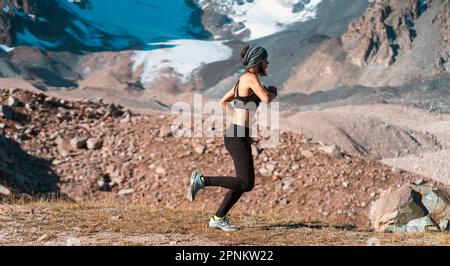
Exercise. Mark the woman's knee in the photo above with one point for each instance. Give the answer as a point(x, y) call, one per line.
point(248, 186)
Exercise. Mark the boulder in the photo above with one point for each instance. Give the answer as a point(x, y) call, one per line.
point(6, 112)
point(396, 207)
point(332, 150)
point(165, 131)
point(436, 204)
point(78, 142)
point(13, 102)
point(419, 225)
point(94, 143)
point(4, 191)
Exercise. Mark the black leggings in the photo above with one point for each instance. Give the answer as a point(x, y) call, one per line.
point(239, 146)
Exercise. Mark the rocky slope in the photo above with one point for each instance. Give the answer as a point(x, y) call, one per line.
point(49, 25)
point(92, 149)
point(386, 28)
point(393, 43)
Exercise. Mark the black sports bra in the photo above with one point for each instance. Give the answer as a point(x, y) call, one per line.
point(250, 102)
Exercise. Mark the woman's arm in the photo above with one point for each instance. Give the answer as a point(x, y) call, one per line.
point(259, 90)
point(228, 97)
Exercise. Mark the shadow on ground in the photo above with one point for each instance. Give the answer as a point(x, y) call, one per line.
point(26, 175)
point(281, 226)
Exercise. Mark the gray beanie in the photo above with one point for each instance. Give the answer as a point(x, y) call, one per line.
point(254, 56)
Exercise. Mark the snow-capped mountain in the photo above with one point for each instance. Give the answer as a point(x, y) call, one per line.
point(160, 31)
point(96, 25)
point(253, 19)
point(118, 25)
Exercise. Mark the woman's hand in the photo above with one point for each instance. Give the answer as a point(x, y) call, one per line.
point(272, 91)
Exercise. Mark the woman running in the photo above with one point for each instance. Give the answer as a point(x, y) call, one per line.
point(247, 93)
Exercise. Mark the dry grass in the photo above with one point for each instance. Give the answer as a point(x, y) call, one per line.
point(115, 222)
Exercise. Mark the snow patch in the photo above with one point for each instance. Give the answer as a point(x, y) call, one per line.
point(184, 58)
point(6, 48)
point(266, 17)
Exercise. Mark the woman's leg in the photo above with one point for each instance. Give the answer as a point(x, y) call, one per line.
point(241, 152)
point(228, 202)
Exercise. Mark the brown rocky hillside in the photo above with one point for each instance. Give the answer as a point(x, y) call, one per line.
point(91, 149)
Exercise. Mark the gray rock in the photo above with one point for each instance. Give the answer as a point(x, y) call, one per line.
point(20, 127)
point(6, 112)
point(4, 191)
point(264, 172)
point(287, 184)
point(29, 107)
point(94, 143)
point(438, 207)
point(78, 142)
point(125, 192)
point(332, 150)
point(396, 207)
point(13, 102)
point(419, 225)
point(42, 238)
point(114, 110)
point(58, 140)
point(399, 171)
point(307, 154)
point(199, 148)
point(271, 165)
point(72, 241)
point(165, 132)
point(160, 170)
point(295, 166)
point(126, 119)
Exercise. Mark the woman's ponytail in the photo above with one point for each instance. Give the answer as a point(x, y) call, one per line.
point(244, 52)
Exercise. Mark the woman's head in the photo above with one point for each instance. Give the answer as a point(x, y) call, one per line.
point(254, 59)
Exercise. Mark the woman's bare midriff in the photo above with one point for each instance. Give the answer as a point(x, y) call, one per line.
point(241, 117)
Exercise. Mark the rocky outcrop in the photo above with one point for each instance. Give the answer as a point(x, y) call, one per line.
point(393, 43)
point(443, 19)
point(7, 31)
point(386, 28)
point(215, 20)
point(6, 37)
point(396, 207)
point(411, 208)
